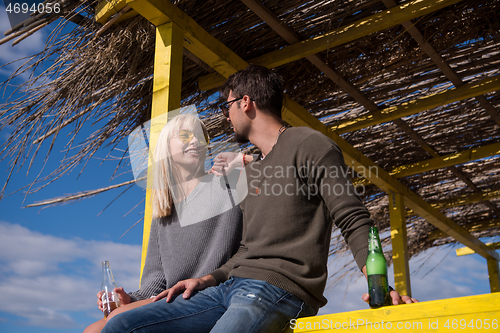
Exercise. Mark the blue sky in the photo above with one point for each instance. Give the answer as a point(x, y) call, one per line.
point(50, 258)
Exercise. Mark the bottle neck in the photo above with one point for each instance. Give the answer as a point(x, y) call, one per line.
point(107, 276)
point(374, 244)
point(375, 261)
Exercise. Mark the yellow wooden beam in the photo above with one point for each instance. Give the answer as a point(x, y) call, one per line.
point(466, 199)
point(440, 162)
point(446, 161)
point(462, 200)
point(196, 39)
point(107, 8)
point(493, 275)
point(399, 242)
point(462, 314)
point(128, 15)
point(463, 251)
point(485, 225)
point(167, 82)
point(377, 22)
point(416, 106)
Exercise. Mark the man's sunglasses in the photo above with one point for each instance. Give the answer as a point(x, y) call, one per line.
point(226, 105)
point(186, 136)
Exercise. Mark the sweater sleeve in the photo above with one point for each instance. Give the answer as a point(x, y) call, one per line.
point(153, 279)
point(222, 273)
point(342, 200)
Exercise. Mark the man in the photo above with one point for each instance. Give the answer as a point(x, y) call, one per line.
point(297, 188)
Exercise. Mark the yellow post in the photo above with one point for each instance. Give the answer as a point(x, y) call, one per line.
point(399, 244)
point(493, 275)
point(167, 82)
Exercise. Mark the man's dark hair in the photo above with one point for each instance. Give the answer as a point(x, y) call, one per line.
point(261, 84)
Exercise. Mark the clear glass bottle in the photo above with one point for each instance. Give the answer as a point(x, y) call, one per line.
point(376, 269)
point(109, 297)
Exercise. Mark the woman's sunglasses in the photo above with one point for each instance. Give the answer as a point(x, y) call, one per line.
point(186, 136)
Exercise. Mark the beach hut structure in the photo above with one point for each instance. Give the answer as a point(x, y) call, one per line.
point(409, 90)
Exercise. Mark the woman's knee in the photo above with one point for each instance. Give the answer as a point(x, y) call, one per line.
point(129, 306)
point(95, 327)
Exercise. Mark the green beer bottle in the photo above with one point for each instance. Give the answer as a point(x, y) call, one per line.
point(376, 269)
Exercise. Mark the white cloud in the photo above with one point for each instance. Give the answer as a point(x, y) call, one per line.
point(34, 42)
point(29, 46)
point(444, 275)
point(47, 279)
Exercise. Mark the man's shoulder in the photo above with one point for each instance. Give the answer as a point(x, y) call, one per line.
point(301, 136)
point(305, 143)
point(304, 131)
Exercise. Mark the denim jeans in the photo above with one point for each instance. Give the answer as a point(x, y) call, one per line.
point(237, 306)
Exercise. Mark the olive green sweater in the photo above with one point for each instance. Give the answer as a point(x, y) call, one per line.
point(294, 196)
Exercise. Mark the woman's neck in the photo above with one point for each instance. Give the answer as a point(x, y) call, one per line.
point(187, 182)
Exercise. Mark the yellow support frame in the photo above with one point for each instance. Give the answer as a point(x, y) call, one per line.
point(465, 199)
point(461, 200)
point(469, 90)
point(107, 8)
point(196, 39)
point(440, 162)
point(167, 82)
point(377, 22)
point(493, 275)
point(446, 161)
point(463, 251)
point(399, 242)
point(469, 227)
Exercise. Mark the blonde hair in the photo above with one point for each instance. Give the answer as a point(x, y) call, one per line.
point(164, 166)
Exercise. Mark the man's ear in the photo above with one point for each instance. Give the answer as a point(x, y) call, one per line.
point(246, 103)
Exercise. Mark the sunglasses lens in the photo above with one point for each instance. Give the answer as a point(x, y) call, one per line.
point(202, 138)
point(225, 110)
point(185, 136)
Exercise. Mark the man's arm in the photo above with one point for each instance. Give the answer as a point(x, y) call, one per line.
point(186, 287)
point(342, 201)
point(222, 273)
point(153, 279)
point(348, 211)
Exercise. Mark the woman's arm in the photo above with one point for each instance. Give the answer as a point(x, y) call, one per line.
point(153, 279)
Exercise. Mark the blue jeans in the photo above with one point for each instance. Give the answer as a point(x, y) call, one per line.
point(237, 306)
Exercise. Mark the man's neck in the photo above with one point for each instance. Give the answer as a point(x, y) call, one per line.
point(265, 133)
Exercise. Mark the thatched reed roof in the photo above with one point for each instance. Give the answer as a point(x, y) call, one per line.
point(106, 74)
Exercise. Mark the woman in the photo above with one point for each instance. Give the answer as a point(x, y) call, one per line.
point(197, 221)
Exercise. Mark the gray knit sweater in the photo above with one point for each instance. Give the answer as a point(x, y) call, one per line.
point(207, 235)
